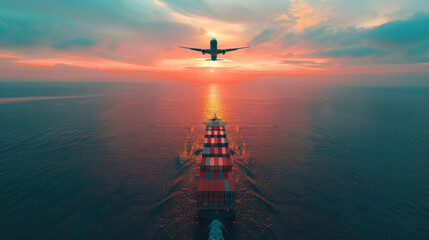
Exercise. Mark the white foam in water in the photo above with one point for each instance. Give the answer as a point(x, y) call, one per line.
point(215, 230)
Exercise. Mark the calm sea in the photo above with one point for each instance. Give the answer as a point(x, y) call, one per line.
point(118, 160)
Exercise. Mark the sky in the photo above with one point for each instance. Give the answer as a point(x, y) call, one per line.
point(138, 39)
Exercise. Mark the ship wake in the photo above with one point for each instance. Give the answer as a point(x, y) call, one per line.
point(216, 228)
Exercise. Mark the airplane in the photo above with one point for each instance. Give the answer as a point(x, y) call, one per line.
point(213, 51)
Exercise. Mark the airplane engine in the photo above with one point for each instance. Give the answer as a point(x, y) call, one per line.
point(223, 51)
point(203, 52)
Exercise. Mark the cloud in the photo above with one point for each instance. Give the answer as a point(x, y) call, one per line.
point(77, 42)
point(25, 30)
point(401, 33)
point(264, 36)
point(307, 63)
point(399, 41)
point(351, 52)
point(65, 24)
point(306, 14)
point(295, 35)
point(240, 11)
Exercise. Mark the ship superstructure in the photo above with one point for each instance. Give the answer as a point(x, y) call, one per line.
point(216, 188)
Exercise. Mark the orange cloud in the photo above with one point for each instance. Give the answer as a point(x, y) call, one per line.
point(302, 14)
point(94, 63)
point(6, 55)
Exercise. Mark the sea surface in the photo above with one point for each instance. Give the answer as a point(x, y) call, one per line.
point(120, 160)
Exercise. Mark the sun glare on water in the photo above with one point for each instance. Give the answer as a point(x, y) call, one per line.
point(213, 104)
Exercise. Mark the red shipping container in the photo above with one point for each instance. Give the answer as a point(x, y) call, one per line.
point(211, 191)
point(215, 198)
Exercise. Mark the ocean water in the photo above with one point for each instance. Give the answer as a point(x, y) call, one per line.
point(118, 160)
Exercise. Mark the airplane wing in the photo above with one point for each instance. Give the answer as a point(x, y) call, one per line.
point(196, 49)
point(231, 49)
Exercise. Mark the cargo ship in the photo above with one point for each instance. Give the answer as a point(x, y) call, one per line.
point(216, 188)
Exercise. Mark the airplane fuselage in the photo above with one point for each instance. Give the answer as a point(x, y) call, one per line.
point(213, 49)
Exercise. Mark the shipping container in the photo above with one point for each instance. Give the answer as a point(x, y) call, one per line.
point(216, 188)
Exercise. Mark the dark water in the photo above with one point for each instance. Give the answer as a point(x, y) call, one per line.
point(117, 161)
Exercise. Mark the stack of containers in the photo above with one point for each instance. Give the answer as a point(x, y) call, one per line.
point(216, 188)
